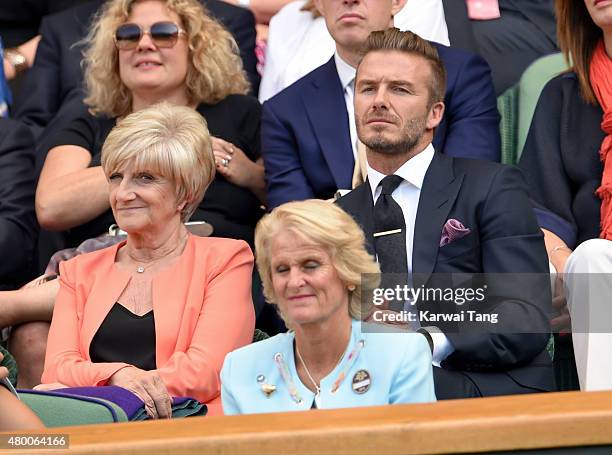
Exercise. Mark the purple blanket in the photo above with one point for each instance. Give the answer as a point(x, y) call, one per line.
point(126, 400)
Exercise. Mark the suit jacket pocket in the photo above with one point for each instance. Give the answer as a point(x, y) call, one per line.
point(459, 247)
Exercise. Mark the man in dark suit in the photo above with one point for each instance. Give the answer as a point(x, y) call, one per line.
point(456, 219)
point(308, 136)
point(57, 68)
point(520, 32)
point(18, 227)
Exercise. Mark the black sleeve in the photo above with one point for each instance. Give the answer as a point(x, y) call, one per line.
point(81, 131)
point(18, 226)
point(550, 187)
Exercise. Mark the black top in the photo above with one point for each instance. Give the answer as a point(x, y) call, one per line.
point(125, 337)
point(233, 211)
point(561, 161)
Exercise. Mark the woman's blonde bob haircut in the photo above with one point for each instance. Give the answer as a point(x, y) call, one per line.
point(172, 141)
point(325, 225)
point(215, 67)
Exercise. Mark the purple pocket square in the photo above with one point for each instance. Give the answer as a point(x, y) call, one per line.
point(453, 230)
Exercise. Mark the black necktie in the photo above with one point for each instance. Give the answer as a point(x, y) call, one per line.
point(390, 237)
point(390, 229)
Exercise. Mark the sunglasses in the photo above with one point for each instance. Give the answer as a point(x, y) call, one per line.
point(163, 34)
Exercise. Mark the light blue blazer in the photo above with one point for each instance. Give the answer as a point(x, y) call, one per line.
point(390, 368)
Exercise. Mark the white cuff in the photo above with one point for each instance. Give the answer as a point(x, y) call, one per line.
point(442, 345)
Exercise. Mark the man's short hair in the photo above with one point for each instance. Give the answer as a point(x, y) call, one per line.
point(393, 39)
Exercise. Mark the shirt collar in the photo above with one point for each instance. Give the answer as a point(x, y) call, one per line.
point(412, 171)
point(345, 71)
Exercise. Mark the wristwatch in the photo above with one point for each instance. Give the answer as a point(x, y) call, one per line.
point(16, 59)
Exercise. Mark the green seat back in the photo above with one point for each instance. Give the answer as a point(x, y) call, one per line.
point(530, 86)
point(65, 410)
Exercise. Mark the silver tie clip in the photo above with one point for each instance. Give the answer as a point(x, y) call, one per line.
point(393, 231)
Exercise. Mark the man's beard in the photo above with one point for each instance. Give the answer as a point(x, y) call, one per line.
point(411, 135)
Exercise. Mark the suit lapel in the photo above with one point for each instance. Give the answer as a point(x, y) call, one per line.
point(440, 188)
point(326, 109)
point(360, 205)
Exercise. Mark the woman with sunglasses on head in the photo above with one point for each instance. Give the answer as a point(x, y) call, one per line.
point(141, 52)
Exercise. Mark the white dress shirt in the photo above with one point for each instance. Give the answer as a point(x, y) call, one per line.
point(407, 196)
point(347, 78)
point(299, 43)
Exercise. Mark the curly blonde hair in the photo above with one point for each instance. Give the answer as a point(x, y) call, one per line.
point(328, 226)
point(215, 67)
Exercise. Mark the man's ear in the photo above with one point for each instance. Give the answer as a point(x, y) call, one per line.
point(396, 6)
point(319, 5)
point(436, 112)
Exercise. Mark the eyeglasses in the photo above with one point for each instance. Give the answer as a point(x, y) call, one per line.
point(163, 34)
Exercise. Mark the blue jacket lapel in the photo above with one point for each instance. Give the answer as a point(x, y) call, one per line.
point(326, 109)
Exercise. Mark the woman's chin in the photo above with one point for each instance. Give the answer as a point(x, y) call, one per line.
point(131, 227)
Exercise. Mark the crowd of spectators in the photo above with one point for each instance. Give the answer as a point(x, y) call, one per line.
point(153, 149)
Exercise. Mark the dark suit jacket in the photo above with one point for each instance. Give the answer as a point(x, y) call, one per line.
point(491, 200)
point(57, 71)
point(561, 161)
point(305, 135)
point(18, 226)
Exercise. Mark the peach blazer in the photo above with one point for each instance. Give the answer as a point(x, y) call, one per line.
point(202, 306)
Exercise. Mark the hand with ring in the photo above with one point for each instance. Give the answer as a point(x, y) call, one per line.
point(236, 167)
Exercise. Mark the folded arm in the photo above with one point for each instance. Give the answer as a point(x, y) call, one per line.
point(70, 193)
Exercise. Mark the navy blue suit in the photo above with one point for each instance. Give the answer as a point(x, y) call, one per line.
point(506, 244)
point(306, 141)
point(57, 73)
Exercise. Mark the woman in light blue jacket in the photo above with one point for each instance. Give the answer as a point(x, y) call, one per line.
point(314, 266)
